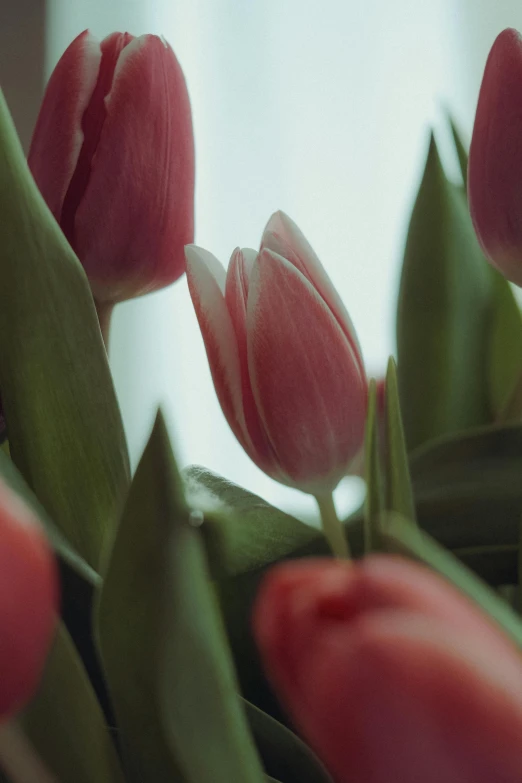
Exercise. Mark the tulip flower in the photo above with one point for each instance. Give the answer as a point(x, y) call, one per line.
point(285, 360)
point(495, 159)
point(390, 674)
point(28, 602)
point(113, 156)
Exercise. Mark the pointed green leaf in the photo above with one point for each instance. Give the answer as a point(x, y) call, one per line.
point(505, 333)
point(242, 532)
point(284, 754)
point(505, 349)
point(407, 539)
point(462, 153)
point(12, 477)
point(65, 723)
point(65, 429)
point(374, 502)
point(443, 314)
point(398, 482)
point(162, 642)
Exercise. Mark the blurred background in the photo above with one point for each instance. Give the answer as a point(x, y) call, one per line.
point(319, 109)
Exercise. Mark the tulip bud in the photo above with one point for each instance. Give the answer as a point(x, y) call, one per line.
point(28, 602)
point(390, 673)
point(113, 156)
point(284, 357)
point(495, 159)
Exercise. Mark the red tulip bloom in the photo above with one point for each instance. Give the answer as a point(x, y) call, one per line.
point(28, 602)
point(113, 155)
point(391, 674)
point(284, 357)
point(495, 160)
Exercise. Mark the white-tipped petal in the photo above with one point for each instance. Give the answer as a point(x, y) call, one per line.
point(284, 237)
point(206, 281)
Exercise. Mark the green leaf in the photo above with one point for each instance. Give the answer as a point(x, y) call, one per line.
point(65, 723)
point(12, 477)
point(65, 429)
point(398, 482)
point(374, 501)
point(462, 153)
point(471, 482)
point(243, 537)
point(242, 532)
point(505, 332)
point(505, 349)
point(284, 754)
point(443, 314)
point(406, 539)
point(162, 643)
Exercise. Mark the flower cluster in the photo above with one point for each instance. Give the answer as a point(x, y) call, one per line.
point(371, 670)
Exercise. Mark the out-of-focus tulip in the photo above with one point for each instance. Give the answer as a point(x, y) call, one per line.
point(495, 159)
point(113, 156)
point(284, 357)
point(390, 674)
point(28, 602)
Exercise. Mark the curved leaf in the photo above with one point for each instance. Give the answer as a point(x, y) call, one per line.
point(65, 723)
point(505, 350)
point(242, 532)
point(64, 425)
point(398, 482)
point(162, 642)
point(406, 539)
point(374, 501)
point(462, 153)
point(61, 546)
point(443, 314)
point(284, 754)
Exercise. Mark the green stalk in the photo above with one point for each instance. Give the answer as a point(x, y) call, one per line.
point(332, 527)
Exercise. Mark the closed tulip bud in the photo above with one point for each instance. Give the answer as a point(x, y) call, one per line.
point(284, 357)
point(390, 673)
point(28, 603)
point(495, 160)
point(113, 156)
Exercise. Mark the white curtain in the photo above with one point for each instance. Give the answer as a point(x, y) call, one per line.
point(320, 109)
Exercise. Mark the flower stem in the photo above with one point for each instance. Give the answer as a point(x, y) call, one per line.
point(104, 310)
point(18, 759)
point(332, 527)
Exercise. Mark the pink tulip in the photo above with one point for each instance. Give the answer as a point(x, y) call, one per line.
point(391, 674)
point(284, 357)
point(113, 156)
point(28, 603)
point(495, 160)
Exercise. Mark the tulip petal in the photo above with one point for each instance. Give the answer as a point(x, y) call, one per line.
point(495, 159)
point(147, 133)
point(58, 135)
point(236, 300)
point(430, 705)
point(206, 281)
point(391, 674)
point(284, 237)
point(306, 378)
